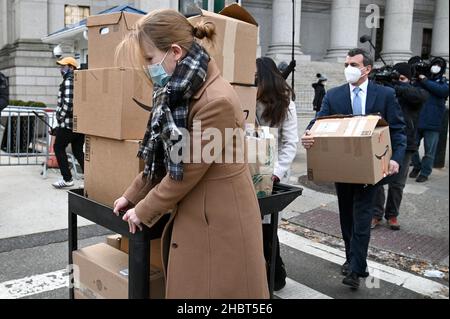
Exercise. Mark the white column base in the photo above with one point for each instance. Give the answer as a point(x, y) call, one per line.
point(336, 55)
point(283, 52)
point(396, 57)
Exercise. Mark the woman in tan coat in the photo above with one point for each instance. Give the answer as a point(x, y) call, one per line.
point(212, 245)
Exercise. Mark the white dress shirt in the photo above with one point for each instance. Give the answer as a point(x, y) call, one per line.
point(362, 94)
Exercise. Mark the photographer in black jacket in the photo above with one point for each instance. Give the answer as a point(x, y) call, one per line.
point(411, 100)
point(4, 91)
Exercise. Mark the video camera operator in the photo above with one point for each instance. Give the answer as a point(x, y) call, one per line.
point(4, 91)
point(430, 118)
point(411, 100)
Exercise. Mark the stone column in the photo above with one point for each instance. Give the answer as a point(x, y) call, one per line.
point(280, 48)
point(344, 29)
point(149, 5)
point(439, 44)
point(398, 20)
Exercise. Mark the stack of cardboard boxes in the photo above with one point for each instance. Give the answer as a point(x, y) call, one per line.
point(104, 110)
point(234, 51)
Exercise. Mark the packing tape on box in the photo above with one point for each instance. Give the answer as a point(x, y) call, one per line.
point(360, 128)
point(228, 48)
point(357, 147)
point(137, 85)
point(350, 128)
point(83, 85)
point(347, 146)
point(105, 81)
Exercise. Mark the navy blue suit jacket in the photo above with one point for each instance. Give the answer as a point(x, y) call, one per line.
point(380, 99)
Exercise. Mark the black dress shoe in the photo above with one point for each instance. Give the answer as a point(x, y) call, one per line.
point(414, 173)
point(421, 179)
point(345, 268)
point(352, 280)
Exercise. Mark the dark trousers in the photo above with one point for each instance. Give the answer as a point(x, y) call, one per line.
point(356, 204)
point(430, 142)
point(267, 244)
point(395, 192)
point(63, 138)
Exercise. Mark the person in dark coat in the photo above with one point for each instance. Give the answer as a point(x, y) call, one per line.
point(4, 91)
point(319, 91)
point(430, 119)
point(411, 100)
point(356, 201)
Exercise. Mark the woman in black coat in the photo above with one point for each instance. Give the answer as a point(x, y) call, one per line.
point(319, 91)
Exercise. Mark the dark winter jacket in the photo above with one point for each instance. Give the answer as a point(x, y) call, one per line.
point(4, 91)
point(431, 115)
point(319, 93)
point(411, 100)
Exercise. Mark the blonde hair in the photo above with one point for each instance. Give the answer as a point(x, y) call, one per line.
point(161, 29)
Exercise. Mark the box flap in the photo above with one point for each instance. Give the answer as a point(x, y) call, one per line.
point(103, 19)
point(109, 19)
point(381, 121)
point(235, 11)
point(347, 125)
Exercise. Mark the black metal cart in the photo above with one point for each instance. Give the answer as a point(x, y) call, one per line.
point(139, 243)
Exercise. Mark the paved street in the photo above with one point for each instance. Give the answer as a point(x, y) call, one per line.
point(33, 239)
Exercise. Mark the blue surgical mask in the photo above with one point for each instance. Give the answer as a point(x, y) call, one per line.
point(158, 74)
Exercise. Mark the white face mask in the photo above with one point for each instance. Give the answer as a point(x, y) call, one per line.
point(352, 74)
point(435, 69)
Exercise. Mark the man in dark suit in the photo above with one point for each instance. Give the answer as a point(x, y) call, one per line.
point(356, 201)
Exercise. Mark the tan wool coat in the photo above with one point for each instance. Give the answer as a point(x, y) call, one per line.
point(212, 244)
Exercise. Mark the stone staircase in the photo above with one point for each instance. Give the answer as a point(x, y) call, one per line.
point(305, 75)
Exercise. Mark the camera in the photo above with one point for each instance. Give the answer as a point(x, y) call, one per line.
point(385, 75)
point(420, 67)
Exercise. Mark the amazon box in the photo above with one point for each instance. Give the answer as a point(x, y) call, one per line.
point(110, 166)
point(349, 150)
point(105, 32)
point(122, 243)
point(106, 103)
point(101, 272)
point(247, 96)
point(234, 49)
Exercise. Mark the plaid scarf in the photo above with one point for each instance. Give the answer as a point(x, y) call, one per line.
point(170, 112)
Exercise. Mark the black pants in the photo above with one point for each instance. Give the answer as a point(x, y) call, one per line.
point(356, 206)
point(267, 244)
point(63, 138)
point(395, 192)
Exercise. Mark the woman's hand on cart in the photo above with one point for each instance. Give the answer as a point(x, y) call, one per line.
point(132, 219)
point(121, 205)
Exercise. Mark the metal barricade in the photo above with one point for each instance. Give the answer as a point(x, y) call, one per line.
point(24, 138)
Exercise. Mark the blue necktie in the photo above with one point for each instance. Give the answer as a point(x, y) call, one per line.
point(357, 107)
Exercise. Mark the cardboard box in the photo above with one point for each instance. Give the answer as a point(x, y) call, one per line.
point(247, 95)
point(105, 32)
point(122, 243)
point(78, 294)
point(110, 166)
point(349, 150)
point(104, 106)
point(234, 49)
point(102, 273)
point(114, 240)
